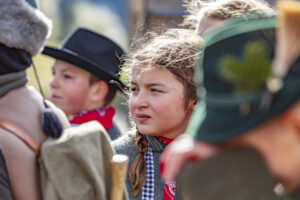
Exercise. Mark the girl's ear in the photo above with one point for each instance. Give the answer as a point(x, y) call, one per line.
point(98, 91)
point(192, 104)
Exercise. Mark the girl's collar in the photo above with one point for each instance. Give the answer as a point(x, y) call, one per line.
point(156, 143)
point(165, 140)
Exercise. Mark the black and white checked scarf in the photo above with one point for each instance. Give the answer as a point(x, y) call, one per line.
point(148, 188)
point(157, 146)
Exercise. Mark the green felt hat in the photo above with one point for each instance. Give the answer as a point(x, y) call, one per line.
point(226, 111)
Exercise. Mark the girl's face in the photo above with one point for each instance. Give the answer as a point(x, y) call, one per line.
point(157, 103)
point(69, 87)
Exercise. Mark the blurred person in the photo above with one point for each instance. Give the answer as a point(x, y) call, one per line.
point(204, 16)
point(86, 78)
point(162, 97)
point(23, 31)
point(253, 141)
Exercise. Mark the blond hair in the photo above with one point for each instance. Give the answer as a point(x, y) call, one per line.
point(175, 50)
point(223, 9)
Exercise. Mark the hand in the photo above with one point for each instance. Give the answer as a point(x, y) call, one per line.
point(184, 149)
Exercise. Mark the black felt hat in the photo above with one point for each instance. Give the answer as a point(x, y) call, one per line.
point(223, 114)
point(92, 52)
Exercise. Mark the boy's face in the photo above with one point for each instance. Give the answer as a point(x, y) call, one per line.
point(206, 24)
point(69, 87)
point(157, 103)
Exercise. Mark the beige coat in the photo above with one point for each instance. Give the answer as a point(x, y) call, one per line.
point(78, 164)
point(23, 107)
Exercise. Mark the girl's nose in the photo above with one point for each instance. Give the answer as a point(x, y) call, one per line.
point(140, 100)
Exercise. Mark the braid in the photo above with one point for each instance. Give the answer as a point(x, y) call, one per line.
point(138, 170)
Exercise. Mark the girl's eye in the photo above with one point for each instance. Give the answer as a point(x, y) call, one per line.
point(156, 90)
point(133, 89)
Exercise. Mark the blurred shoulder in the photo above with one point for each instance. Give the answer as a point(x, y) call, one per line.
point(125, 144)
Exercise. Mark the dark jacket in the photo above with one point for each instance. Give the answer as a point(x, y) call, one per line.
point(114, 132)
point(5, 189)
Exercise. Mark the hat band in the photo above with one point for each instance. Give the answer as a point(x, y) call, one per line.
point(229, 102)
point(221, 102)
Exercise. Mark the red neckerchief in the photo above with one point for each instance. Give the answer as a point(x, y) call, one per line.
point(165, 140)
point(103, 115)
point(170, 188)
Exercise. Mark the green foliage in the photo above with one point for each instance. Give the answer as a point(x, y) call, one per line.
point(84, 14)
point(249, 73)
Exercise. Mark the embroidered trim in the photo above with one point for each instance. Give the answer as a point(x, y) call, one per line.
point(148, 188)
point(169, 192)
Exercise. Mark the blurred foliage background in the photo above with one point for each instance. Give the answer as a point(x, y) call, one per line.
point(124, 21)
point(107, 17)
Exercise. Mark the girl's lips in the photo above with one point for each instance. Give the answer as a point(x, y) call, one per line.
point(142, 118)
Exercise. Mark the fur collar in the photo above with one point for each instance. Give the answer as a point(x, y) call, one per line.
point(23, 27)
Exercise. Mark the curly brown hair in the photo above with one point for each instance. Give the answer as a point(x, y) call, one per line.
point(175, 50)
point(223, 9)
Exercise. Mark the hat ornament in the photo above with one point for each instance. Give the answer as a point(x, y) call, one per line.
point(287, 48)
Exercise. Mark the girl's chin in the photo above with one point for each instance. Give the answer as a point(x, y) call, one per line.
point(147, 131)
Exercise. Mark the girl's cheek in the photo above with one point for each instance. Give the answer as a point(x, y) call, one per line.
point(130, 105)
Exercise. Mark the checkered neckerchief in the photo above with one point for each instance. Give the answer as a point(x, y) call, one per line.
point(148, 188)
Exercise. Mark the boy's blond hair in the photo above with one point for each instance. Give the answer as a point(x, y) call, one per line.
point(175, 50)
point(223, 9)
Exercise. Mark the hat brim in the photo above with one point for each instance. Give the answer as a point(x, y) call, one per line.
point(75, 59)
